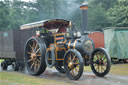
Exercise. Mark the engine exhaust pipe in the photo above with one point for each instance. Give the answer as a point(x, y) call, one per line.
point(84, 18)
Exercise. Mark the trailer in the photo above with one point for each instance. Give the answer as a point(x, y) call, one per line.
point(12, 46)
point(116, 41)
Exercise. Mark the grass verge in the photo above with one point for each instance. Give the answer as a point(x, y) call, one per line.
point(1, 60)
point(116, 69)
point(13, 78)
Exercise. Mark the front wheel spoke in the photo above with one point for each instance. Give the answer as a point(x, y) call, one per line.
point(95, 64)
point(73, 72)
point(73, 58)
point(97, 57)
point(76, 69)
point(70, 57)
point(105, 63)
point(104, 58)
point(97, 68)
point(76, 63)
point(101, 55)
point(102, 69)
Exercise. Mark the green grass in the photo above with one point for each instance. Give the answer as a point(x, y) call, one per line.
point(1, 60)
point(13, 78)
point(116, 69)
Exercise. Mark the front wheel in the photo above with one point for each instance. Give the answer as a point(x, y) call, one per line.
point(100, 62)
point(73, 64)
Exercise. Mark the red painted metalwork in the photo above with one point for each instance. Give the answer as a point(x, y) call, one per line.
point(98, 38)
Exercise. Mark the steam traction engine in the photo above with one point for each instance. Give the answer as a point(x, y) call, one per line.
point(58, 44)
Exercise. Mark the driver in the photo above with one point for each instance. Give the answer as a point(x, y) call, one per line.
point(44, 30)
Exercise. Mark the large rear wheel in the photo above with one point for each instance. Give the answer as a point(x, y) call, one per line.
point(100, 62)
point(35, 51)
point(73, 64)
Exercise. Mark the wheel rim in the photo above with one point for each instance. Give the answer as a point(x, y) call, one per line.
point(33, 55)
point(100, 62)
point(73, 66)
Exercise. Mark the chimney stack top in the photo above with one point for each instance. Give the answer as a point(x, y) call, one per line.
point(84, 7)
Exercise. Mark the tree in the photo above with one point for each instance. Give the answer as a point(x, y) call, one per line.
point(106, 4)
point(4, 18)
point(118, 15)
point(97, 18)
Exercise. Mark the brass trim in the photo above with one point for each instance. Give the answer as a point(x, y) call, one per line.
point(74, 44)
point(84, 7)
point(58, 34)
point(69, 44)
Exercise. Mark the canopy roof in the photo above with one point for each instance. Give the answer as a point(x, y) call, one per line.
point(48, 24)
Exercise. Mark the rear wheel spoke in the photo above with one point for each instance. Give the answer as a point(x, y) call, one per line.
point(29, 60)
point(36, 46)
point(32, 65)
point(37, 50)
point(29, 53)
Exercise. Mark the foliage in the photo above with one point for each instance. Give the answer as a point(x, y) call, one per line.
point(118, 15)
point(97, 17)
point(101, 13)
point(4, 17)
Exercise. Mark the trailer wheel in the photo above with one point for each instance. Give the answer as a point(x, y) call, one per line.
point(125, 60)
point(73, 64)
point(15, 66)
point(4, 65)
point(60, 68)
point(35, 51)
point(100, 62)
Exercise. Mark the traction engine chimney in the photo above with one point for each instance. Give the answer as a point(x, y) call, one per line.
point(84, 18)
